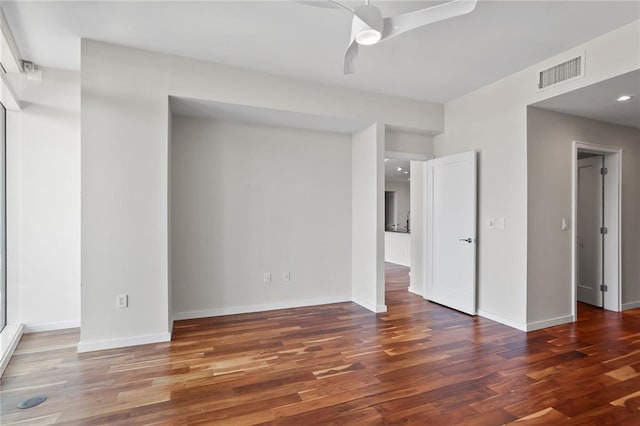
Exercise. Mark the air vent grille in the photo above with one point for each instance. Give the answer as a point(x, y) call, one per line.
point(562, 72)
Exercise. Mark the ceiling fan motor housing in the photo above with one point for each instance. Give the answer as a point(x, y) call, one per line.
point(367, 25)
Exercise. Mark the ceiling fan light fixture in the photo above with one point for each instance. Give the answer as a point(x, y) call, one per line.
point(367, 25)
point(368, 36)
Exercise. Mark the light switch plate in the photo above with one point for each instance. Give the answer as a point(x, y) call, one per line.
point(491, 223)
point(286, 276)
point(500, 223)
point(122, 301)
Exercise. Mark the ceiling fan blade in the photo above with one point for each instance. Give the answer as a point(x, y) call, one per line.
point(331, 4)
point(319, 3)
point(326, 4)
point(396, 25)
point(350, 55)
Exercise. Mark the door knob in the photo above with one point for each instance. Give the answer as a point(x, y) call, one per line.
point(468, 240)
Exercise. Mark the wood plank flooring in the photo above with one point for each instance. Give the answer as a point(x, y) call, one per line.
point(420, 363)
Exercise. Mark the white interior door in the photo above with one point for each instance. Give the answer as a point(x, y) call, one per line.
point(589, 239)
point(451, 231)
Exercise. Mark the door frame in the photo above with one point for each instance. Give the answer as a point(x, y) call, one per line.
point(613, 221)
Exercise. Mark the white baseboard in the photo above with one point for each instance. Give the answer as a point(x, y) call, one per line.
point(537, 325)
point(98, 345)
point(233, 310)
point(631, 305)
point(9, 338)
point(514, 324)
point(415, 291)
point(50, 326)
point(378, 309)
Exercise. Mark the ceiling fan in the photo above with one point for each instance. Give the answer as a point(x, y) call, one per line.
point(369, 27)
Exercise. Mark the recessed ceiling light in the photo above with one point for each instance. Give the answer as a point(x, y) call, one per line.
point(399, 169)
point(406, 172)
point(386, 159)
point(624, 98)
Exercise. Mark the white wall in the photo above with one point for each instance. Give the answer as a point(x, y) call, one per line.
point(44, 201)
point(170, 315)
point(124, 200)
point(402, 200)
point(418, 227)
point(408, 142)
point(397, 248)
point(367, 220)
point(249, 199)
point(550, 138)
point(493, 120)
point(125, 170)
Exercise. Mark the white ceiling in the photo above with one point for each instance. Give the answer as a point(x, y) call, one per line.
point(391, 172)
point(599, 101)
point(438, 62)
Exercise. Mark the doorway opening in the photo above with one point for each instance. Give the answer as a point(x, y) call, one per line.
point(397, 199)
point(404, 222)
point(390, 208)
point(596, 207)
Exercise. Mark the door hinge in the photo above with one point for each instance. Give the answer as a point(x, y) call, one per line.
point(604, 171)
point(604, 230)
point(603, 287)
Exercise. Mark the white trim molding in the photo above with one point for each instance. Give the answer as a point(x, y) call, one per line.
point(11, 58)
point(537, 325)
point(531, 326)
point(378, 309)
point(513, 324)
point(8, 94)
point(631, 305)
point(9, 339)
point(613, 221)
point(50, 326)
point(11, 63)
point(415, 291)
point(233, 310)
point(99, 345)
point(412, 156)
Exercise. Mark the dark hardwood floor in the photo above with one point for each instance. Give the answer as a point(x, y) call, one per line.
point(420, 363)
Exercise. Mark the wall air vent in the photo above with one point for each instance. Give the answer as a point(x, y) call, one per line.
point(567, 70)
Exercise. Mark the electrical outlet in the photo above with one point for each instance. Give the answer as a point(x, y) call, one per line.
point(122, 301)
point(267, 277)
point(286, 276)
